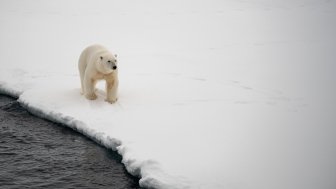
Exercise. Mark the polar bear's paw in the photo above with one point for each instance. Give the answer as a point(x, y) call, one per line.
point(92, 96)
point(111, 101)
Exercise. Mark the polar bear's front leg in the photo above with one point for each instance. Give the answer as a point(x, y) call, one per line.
point(111, 91)
point(89, 88)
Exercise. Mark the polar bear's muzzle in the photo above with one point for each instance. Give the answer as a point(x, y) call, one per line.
point(112, 65)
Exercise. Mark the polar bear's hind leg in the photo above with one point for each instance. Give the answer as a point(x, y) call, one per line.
point(81, 74)
point(82, 67)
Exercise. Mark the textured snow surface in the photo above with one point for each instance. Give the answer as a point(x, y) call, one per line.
point(213, 94)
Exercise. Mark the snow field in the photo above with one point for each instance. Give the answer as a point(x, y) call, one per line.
point(213, 94)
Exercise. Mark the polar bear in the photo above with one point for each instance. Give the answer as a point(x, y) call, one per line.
point(97, 63)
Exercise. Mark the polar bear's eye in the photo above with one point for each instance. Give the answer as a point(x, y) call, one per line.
point(109, 61)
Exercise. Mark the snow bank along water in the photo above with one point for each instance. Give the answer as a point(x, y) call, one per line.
point(30, 145)
point(213, 94)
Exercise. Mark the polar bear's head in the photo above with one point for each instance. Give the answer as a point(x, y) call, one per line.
point(108, 63)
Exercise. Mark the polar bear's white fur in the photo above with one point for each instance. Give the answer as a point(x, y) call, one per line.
point(97, 63)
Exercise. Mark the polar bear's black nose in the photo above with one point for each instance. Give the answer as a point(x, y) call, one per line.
point(114, 67)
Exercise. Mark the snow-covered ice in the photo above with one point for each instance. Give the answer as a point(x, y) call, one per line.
point(213, 93)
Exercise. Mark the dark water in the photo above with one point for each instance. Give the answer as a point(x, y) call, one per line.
point(35, 153)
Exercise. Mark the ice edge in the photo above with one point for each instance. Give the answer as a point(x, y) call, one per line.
point(134, 167)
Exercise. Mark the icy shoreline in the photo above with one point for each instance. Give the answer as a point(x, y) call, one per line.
point(38, 153)
point(132, 166)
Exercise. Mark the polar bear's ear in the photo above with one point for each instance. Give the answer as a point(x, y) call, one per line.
point(115, 55)
point(101, 58)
